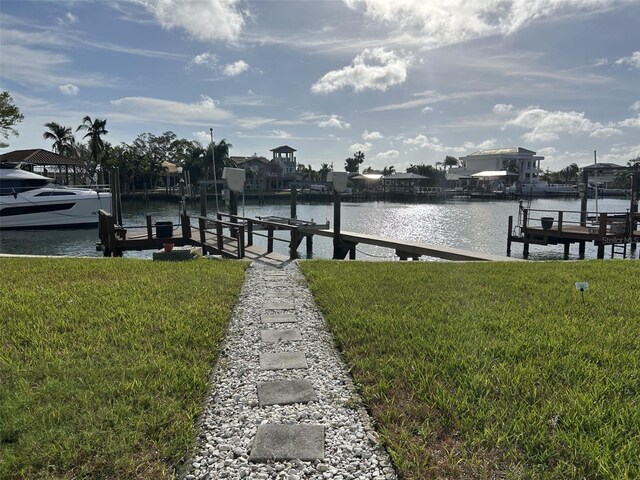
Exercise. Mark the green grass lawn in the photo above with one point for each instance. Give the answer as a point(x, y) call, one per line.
point(104, 363)
point(493, 370)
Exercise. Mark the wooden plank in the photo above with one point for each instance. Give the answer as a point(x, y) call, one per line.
point(411, 247)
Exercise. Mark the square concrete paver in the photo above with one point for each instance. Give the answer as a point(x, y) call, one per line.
point(284, 335)
point(279, 306)
point(286, 392)
point(282, 318)
point(281, 296)
point(283, 361)
point(288, 442)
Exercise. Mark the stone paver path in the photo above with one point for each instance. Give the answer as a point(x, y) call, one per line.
point(282, 404)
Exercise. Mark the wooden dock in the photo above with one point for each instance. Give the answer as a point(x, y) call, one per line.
point(551, 227)
point(232, 236)
point(406, 249)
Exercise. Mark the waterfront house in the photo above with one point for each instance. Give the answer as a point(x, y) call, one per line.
point(604, 174)
point(525, 162)
point(285, 158)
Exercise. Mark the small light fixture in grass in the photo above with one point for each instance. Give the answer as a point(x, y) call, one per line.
point(581, 287)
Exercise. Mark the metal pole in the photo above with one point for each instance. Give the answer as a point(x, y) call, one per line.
point(215, 176)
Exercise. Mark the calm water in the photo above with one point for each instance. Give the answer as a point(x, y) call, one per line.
point(477, 225)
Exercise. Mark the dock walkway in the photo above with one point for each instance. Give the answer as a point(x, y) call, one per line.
point(406, 249)
point(282, 404)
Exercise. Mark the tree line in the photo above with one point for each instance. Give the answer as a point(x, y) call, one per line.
point(139, 162)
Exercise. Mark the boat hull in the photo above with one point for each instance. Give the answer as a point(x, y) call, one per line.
point(26, 211)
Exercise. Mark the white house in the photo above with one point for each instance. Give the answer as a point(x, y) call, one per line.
point(498, 159)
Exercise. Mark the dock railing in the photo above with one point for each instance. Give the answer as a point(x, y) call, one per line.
point(249, 226)
point(599, 224)
point(566, 227)
point(217, 227)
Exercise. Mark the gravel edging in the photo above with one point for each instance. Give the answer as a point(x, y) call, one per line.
point(232, 414)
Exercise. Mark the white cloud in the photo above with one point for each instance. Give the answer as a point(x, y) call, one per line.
point(145, 108)
point(621, 154)
point(253, 122)
point(206, 59)
point(281, 134)
point(635, 107)
point(236, 68)
point(605, 132)
point(361, 147)
point(69, 89)
point(443, 22)
point(427, 109)
point(69, 19)
point(489, 143)
point(546, 126)
point(203, 20)
point(375, 69)
point(633, 61)
point(203, 137)
point(630, 122)
point(334, 122)
point(433, 143)
point(388, 154)
point(547, 151)
point(502, 108)
point(366, 135)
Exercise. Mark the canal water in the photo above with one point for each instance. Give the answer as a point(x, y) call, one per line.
point(472, 225)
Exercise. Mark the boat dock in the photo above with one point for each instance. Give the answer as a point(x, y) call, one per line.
point(406, 249)
point(551, 227)
point(232, 236)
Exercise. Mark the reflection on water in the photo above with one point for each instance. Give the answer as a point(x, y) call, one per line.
point(480, 226)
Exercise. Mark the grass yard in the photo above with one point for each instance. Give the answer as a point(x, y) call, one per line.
point(104, 363)
point(493, 370)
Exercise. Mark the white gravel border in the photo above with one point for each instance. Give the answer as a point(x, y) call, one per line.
point(232, 413)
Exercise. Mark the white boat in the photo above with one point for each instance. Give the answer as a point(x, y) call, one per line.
point(29, 200)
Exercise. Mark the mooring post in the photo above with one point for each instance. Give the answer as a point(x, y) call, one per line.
point(566, 250)
point(525, 250)
point(510, 229)
point(633, 211)
point(309, 245)
point(294, 200)
point(581, 249)
point(233, 211)
point(203, 200)
point(583, 197)
point(336, 226)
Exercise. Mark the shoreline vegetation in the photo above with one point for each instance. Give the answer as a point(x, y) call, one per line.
point(104, 363)
point(493, 370)
point(470, 370)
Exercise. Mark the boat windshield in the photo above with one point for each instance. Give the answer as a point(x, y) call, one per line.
point(10, 186)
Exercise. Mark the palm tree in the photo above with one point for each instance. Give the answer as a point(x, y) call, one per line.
point(325, 168)
point(390, 170)
point(221, 155)
point(95, 129)
point(450, 162)
point(63, 141)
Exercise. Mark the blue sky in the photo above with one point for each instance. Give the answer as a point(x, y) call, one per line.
point(407, 81)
